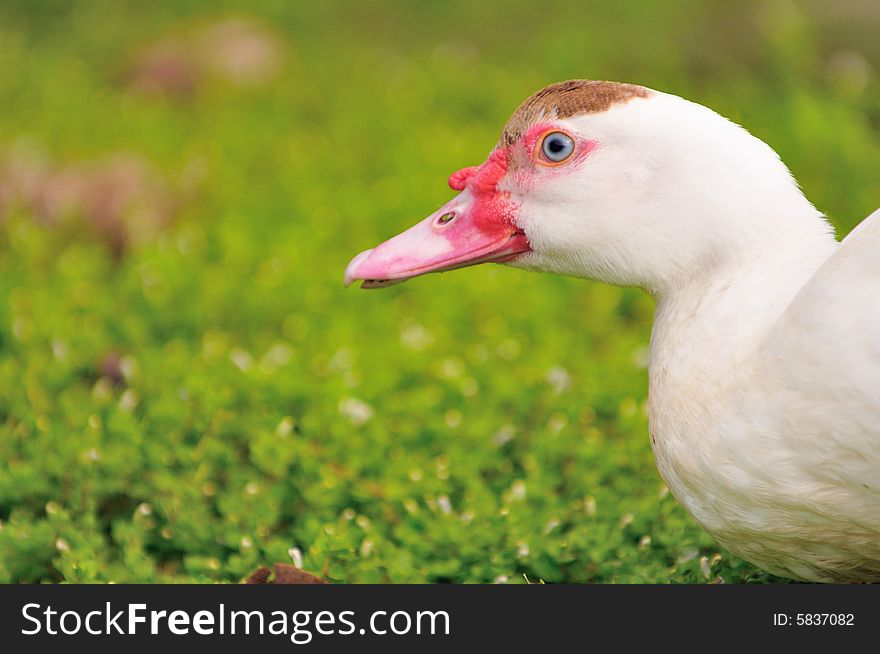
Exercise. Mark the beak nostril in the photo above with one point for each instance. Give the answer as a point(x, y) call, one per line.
point(445, 219)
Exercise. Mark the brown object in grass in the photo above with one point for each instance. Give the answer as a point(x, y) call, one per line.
point(284, 574)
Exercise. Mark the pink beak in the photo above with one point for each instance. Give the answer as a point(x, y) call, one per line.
point(474, 227)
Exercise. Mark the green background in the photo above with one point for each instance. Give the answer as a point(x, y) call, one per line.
point(186, 390)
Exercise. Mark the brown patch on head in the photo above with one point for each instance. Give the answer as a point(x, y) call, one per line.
point(564, 99)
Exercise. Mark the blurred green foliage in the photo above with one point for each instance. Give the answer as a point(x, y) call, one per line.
point(186, 390)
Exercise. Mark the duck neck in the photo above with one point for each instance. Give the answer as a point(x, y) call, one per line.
point(717, 319)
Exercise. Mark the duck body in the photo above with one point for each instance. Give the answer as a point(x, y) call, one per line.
point(764, 371)
point(764, 408)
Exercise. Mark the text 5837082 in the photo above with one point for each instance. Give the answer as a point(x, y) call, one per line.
point(814, 619)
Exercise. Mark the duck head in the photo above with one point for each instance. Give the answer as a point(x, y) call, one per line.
point(605, 180)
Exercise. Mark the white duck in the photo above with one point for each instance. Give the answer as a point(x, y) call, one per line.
point(764, 402)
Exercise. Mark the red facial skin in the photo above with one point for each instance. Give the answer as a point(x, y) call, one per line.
point(524, 161)
point(492, 209)
point(477, 226)
point(459, 179)
point(535, 167)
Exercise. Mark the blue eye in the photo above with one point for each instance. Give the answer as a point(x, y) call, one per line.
point(557, 147)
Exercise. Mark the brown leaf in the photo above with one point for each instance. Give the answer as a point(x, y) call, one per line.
point(111, 368)
point(259, 576)
point(284, 574)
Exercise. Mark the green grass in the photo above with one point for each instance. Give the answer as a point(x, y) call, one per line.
point(190, 393)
